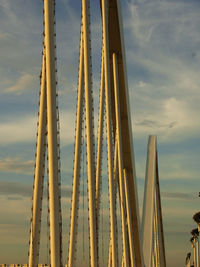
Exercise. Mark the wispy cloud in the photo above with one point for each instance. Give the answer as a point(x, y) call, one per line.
point(13, 188)
point(164, 78)
point(16, 165)
point(19, 130)
point(179, 195)
point(17, 190)
point(172, 119)
point(22, 84)
point(23, 130)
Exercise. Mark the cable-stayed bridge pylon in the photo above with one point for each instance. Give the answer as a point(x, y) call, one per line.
point(114, 116)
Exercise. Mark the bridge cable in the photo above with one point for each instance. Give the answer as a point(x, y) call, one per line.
point(48, 219)
point(83, 187)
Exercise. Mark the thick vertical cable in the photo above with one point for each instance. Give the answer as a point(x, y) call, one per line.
point(129, 221)
point(120, 162)
point(58, 138)
point(99, 148)
point(116, 182)
point(77, 159)
point(39, 173)
point(89, 132)
point(109, 129)
point(55, 241)
point(197, 246)
point(48, 219)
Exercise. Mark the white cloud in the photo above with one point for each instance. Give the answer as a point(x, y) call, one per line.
point(22, 84)
point(18, 130)
point(16, 165)
point(24, 130)
point(18, 190)
point(163, 68)
point(172, 119)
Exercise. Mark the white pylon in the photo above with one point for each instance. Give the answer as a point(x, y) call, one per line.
point(121, 172)
point(152, 225)
point(47, 132)
point(119, 126)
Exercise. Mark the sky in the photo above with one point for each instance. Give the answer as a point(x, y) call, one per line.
point(162, 42)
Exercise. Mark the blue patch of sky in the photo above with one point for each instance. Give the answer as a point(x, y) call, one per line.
point(25, 149)
point(191, 146)
point(21, 106)
point(20, 178)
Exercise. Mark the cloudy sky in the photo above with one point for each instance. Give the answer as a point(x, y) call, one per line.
point(162, 41)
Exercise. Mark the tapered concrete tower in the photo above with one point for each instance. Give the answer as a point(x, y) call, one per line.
point(152, 223)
